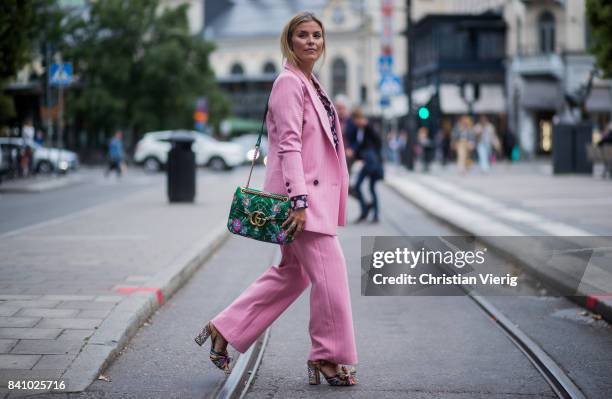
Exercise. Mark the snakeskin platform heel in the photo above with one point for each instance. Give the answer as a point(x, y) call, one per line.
point(220, 359)
point(345, 376)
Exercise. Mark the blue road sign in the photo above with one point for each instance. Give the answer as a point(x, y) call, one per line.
point(61, 74)
point(385, 102)
point(390, 85)
point(385, 64)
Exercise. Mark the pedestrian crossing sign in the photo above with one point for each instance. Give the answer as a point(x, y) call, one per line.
point(61, 74)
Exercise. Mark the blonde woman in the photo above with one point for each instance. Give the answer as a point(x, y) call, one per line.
point(463, 139)
point(306, 161)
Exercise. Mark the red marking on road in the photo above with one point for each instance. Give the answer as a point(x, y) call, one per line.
point(129, 290)
point(591, 301)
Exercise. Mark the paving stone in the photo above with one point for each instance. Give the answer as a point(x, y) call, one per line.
point(53, 362)
point(6, 345)
point(80, 335)
point(6, 310)
point(86, 305)
point(13, 297)
point(18, 321)
point(30, 333)
point(48, 313)
point(28, 375)
point(32, 304)
point(68, 297)
point(109, 298)
point(22, 362)
point(138, 278)
point(46, 347)
point(93, 314)
point(69, 323)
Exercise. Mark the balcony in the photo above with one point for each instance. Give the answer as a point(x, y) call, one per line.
point(535, 63)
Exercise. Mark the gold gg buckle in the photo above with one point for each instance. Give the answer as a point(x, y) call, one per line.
point(257, 218)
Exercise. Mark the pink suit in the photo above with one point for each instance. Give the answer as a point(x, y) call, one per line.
point(302, 159)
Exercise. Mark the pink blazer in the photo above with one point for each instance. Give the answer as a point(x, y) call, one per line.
point(301, 154)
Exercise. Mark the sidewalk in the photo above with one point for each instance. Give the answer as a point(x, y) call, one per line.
point(40, 183)
point(523, 199)
point(73, 291)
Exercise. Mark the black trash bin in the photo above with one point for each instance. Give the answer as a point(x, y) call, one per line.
point(569, 148)
point(181, 169)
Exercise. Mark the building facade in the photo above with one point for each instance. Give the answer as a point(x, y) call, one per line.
point(247, 59)
point(546, 63)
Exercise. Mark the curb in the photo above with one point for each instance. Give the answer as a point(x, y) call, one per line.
point(601, 304)
point(125, 319)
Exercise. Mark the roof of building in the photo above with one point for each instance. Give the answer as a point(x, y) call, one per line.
point(239, 18)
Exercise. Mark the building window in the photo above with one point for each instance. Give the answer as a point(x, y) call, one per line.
point(546, 26)
point(269, 68)
point(338, 77)
point(237, 70)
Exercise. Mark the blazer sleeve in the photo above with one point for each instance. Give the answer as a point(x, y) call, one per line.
point(287, 108)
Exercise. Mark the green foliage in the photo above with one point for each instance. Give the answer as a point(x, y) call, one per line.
point(599, 15)
point(16, 19)
point(19, 28)
point(139, 69)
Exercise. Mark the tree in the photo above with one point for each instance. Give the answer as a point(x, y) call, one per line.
point(140, 69)
point(18, 31)
point(599, 15)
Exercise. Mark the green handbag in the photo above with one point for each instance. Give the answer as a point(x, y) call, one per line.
point(257, 214)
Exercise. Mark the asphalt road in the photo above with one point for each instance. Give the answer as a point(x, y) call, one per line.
point(417, 347)
point(20, 210)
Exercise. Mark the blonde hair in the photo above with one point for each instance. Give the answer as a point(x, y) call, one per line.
point(287, 34)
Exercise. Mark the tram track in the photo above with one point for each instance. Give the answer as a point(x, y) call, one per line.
point(559, 381)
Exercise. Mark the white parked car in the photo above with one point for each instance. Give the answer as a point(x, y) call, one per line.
point(45, 159)
point(152, 150)
point(248, 141)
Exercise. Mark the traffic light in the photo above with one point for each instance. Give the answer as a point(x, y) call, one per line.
point(424, 113)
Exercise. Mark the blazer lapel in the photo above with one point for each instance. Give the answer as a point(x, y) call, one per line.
point(321, 112)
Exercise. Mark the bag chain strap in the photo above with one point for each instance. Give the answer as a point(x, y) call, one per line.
point(263, 121)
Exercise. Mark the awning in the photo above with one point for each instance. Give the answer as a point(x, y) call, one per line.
point(600, 100)
point(237, 124)
point(422, 95)
point(491, 100)
point(541, 94)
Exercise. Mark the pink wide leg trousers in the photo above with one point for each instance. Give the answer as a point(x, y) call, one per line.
point(312, 258)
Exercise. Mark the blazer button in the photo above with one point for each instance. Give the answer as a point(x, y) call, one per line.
point(287, 184)
point(289, 190)
point(315, 182)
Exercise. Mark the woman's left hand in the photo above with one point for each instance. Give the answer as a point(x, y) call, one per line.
point(295, 222)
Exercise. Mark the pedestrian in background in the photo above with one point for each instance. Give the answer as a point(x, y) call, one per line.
point(393, 145)
point(27, 131)
point(27, 153)
point(426, 147)
point(342, 104)
point(606, 137)
point(40, 137)
point(115, 154)
point(369, 150)
point(463, 142)
point(306, 161)
point(443, 141)
point(486, 142)
point(509, 142)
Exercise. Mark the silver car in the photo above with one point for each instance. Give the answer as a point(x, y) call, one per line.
point(44, 159)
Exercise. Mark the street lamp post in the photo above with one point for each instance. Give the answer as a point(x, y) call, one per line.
point(410, 123)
